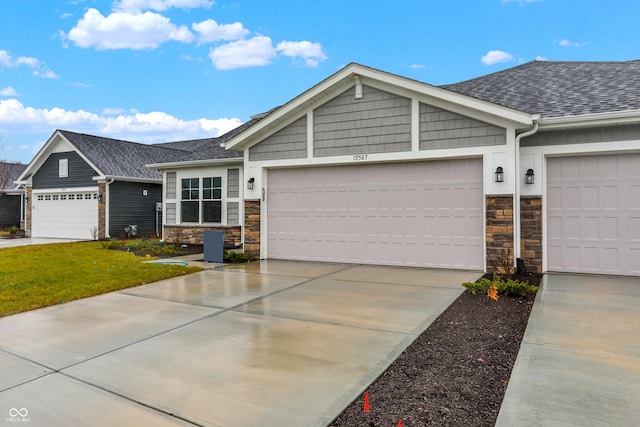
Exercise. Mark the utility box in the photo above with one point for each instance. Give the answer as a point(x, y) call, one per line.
point(213, 246)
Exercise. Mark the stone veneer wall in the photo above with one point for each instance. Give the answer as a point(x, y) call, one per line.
point(102, 211)
point(531, 233)
point(499, 233)
point(252, 228)
point(27, 214)
point(179, 234)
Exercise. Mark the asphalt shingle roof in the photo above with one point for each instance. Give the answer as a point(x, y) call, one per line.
point(9, 172)
point(560, 89)
point(114, 157)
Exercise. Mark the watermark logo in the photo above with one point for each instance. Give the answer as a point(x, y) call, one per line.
point(18, 415)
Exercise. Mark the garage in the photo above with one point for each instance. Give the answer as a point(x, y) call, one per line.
point(593, 214)
point(65, 215)
point(422, 214)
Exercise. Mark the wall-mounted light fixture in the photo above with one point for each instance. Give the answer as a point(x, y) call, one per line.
point(100, 197)
point(529, 177)
point(499, 174)
point(250, 183)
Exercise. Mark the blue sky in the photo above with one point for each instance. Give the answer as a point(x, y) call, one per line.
point(166, 70)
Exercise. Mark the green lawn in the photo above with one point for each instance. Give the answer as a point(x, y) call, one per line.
point(41, 275)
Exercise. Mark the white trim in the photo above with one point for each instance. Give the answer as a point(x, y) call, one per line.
point(191, 163)
point(596, 119)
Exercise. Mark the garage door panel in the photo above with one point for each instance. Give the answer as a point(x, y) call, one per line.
point(396, 214)
point(67, 215)
point(591, 226)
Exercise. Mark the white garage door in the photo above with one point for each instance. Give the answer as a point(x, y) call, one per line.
point(427, 214)
point(65, 215)
point(593, 214)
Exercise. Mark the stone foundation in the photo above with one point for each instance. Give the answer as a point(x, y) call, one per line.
point(252, 228)
point(179, 234)
point(499, 234)
point(531, 233)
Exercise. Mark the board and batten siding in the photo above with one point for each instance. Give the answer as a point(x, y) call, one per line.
point(445, 129)
point(128, 205)
point(288, 143)
point(581, 136)
point(80, 173)
point(379, 122)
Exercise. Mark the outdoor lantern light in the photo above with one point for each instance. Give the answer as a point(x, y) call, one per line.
point(250, 183)
point(100, 197)
point(529, 177)
point(499, 174)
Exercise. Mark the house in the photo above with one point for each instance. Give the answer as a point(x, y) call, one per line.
point(538, 162)
point(87, 187)
point(11, 194)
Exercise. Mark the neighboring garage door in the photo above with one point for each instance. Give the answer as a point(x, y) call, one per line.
point(593, 214)
point(427, 214)
point(65, 215)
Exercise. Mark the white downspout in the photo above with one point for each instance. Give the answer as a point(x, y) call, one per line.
point(106, 208)
point(516, 202)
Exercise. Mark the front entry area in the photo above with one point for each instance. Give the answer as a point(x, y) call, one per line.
point(420, 214)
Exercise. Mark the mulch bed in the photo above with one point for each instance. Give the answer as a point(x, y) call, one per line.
point(453, 374)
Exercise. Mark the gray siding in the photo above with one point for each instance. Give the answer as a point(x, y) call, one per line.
point(9, 210)
point(171, 185)
point(80, 173)
point(580, 136)
point(233, 213)
point(170, 213)
point(233, 182)
point(379, 122)
point(287, 143)
point(128, 205)
point(444, 129)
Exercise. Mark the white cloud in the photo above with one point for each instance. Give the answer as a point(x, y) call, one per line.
point(66, 15)
point(45, 73)
point(416, 66)
point(6, 60)
point(496, 56)
point(210, 31)
point(122, 30)
point(9, 91)
point(143, 127)
point(568, 43)
point(311, 52)
point(136, 6)
point(80, 84)
point(255, 52)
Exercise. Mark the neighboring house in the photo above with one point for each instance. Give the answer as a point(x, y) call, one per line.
point(539, 162)
point(11, 194)
point(87, 187)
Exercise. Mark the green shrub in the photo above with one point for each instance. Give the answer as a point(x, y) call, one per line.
point(111, 244)
point(505, 287)
point(236, 257)
point(13, 230)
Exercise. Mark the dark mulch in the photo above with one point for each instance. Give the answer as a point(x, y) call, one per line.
point(455, 373)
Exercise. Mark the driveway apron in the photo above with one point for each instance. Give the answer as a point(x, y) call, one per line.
point(267, 343)
point(579, 363)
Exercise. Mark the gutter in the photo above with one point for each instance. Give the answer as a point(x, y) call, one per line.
point(516, 193)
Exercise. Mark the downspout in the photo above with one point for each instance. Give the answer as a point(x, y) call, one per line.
point(516, 202)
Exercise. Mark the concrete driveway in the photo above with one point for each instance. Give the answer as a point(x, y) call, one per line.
point(579, 363)
point(268, 343)
point(24, 241)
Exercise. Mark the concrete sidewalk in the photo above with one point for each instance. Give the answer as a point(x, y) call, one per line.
point(579, 364)
point(271, 343)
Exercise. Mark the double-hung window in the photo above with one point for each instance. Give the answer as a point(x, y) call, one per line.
point(212, 199)
point(190, 200)
point(201, 205)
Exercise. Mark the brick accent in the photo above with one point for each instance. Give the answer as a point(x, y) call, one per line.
point(499, 233)
point(194, 234)
point(531, 233)
point(252, 228)
point(102, 211)
point(28, 223)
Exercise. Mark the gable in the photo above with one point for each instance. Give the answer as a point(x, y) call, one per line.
point(288, 143)
point(80, 173)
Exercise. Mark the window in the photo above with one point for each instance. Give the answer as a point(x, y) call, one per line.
point(212, 199)
point(201, 206)
point(63, 168)
point(190, 200)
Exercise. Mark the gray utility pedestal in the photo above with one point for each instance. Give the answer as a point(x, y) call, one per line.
point(213, 246)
